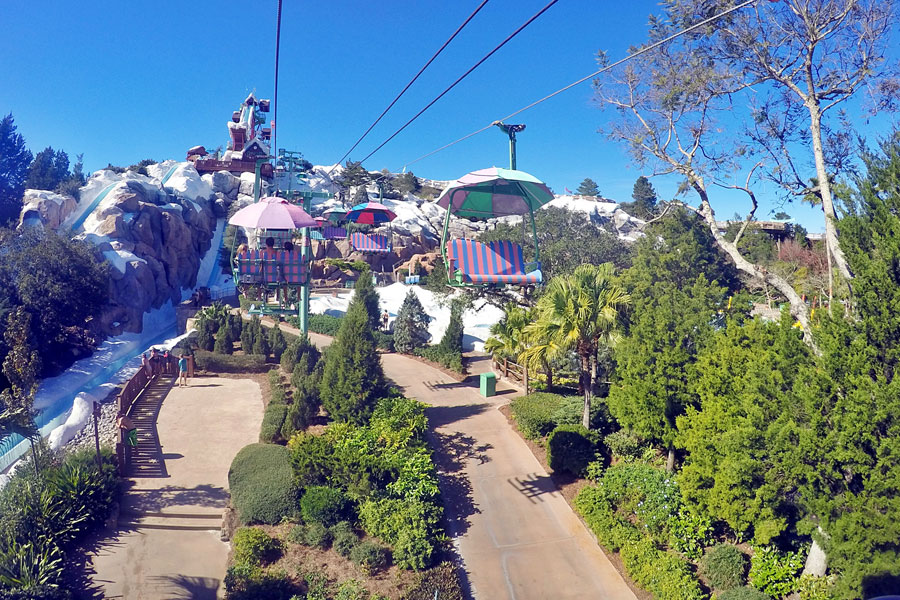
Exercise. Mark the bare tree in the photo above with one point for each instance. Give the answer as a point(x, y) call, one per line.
point(802, 56)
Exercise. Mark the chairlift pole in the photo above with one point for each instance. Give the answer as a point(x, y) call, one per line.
point(290, 159)
point(511, 130)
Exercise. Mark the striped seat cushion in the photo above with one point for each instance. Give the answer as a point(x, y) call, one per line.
point(249, 266)
point(495, 262)
point(334, 233)
point(269, 262)
point(293, 269)
point(316, 235)
point(370, 242)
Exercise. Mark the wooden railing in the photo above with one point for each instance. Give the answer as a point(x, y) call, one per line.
point(512, 371)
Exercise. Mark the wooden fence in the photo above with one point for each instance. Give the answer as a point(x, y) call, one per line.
point(512, 371)
point(165, 367)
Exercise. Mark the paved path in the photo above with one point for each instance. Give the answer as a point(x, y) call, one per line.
point(168, 542)
point(517, 535)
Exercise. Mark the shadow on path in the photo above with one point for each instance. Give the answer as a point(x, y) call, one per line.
point(155, 500)
point(178, 587)
point(534, 486)
point(453, 451)
point(147, 458)
point(438, 416)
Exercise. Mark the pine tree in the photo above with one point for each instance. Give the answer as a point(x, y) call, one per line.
point(205, 336)
point(644, 204)
point(354, 174)
point(352, 380)
point(453, 336)
point(364, 290)
point(14, 161)
point(407, 183)
point(277, 343)
point(411, 326)
point(49, 169)
point(588, 187)
point(261, 343)
point(224, 341)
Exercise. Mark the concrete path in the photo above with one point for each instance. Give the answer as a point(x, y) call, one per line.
point(517, 535)
point(168, 542)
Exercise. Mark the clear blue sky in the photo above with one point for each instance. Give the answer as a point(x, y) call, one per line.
point(122, 81)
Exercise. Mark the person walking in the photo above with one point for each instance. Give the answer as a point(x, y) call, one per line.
point(154, 362)
point(384, 320)
point(145, 364)
point(182, 371)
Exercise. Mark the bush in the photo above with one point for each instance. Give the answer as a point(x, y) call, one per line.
point(384, 341)
point(254, 547)
point(534, 413)
point(312, 457)
point(773, 572)
point(277, 343)
point(724, 567)
point(689, 533)
point(409, 526)
point(223, 363)
point(571, 448)
point(450, 359)
point(743, 593)
point(299, 349)
point(571, 411)
point(370, 556)
point(262, 484)
point(323, 504)
point(441, 581)
point(624, 445)
point(323, 324)
point(663, 574)
point(314, 534)
point(224, 342)
point(243, 582)
point(273, 421)
point(343, 538)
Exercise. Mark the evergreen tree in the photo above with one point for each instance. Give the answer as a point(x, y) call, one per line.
point(364, 292)
point(247, 338)
point(352, 380)
point(49, 169)
point(14, 161)
point(407, 183)
point(588, 187)
point(453, 336)
point(354, 174)
point(277, 343)
point(224, 342)
point(236, 323)
point(20, 368)
point(261, 342)
point(205, 336)
point(411, 326)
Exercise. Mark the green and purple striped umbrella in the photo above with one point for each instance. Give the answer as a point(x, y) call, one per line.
point(494, 192)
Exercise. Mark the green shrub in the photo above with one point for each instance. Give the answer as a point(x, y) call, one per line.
point(450, 359)
point(571, 448)
point(323, 324)
point(441, 581)
point(571, 411)
point(40, 592)
point(299, 349)
point(244, 582)
point(223, 363)
point(663, 574)
point(316, 534)
point(689, 533)
point(273, 420)
point(624, 445)
point(343, 538)
point(39, 562)
point(224, 342)
point(811, 587)
point(409, 526)
point(724, 567)
point(743, 593)
point(370, 556)
point(534, 413)
point(323, 504)
point(773, 572)
point(277, 343)
point(453, 335)
point(254, 547)
point(612, 530)
point(384, 341)
point(312, 457)
point(262, 484)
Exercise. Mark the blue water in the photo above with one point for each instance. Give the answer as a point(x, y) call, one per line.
point(93, 205)
point(12, 446)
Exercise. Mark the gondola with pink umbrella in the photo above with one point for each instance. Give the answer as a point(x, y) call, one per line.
point(374, 214)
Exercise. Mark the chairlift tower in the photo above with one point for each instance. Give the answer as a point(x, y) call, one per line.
point(511, 131)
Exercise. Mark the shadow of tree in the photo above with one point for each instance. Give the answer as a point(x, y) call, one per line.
point(452, 452)
point(178, 587)
point(881, 585)
point(438, 416)
point(154, 500)
point(534, 486)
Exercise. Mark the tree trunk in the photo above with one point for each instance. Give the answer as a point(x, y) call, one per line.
point(548, 371)
point(585, 382)
point(670, 459)
point(816, 561)
point(34, 458)
point(831, 237)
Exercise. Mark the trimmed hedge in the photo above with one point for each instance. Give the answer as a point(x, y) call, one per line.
point(572, 448)
point(262, 484)
point(450, 359)
point(273, 420)
point(534, 413)
point(230, 363)
point(254, 547)
point(323, 504)
point(725, 567)
point(743, 593)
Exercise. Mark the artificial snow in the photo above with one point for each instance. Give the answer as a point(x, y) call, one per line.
point(82, 410)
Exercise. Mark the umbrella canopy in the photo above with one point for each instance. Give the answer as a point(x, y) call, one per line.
point(371, 213)
point(335, 216)
point(494, 192)
point(272, 213)
point(321, 221)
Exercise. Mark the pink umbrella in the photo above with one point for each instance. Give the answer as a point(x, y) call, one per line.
point(322, 221)
point(272, 213)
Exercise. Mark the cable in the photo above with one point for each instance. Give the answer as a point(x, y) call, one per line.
point(275, 97)
point(463, 76)
point(583, 79)
point(411, 81)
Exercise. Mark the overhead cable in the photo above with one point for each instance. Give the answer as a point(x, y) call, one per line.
point(463, 76)
point(411, 81)
point(585, 78)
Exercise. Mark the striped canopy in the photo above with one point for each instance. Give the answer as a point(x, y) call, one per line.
point(494, 192)
point(371, 213)
point(272, 213)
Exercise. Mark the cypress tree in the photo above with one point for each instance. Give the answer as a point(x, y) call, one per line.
point(261, 343)
point(453, 337)
point(224, 342)
point(277, 343)
point(366, 294)
point(205, 335)
point(352, 380)
point(411, 326)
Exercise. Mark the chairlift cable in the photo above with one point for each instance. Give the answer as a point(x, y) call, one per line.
point(463, 76)
point(411, 81)
point(583, 79)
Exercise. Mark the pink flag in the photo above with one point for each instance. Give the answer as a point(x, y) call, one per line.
point(568, 191)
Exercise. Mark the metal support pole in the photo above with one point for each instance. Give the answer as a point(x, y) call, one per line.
point(97, 435)
point(304, 259)
point(511, 130)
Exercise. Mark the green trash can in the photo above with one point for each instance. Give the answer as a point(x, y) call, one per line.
point(488, 385)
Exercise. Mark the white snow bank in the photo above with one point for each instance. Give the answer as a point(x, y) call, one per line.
point(82, 409)
point(476, 321)
point(187, 183)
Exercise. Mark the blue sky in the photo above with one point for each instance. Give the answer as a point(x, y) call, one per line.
point(123, 81)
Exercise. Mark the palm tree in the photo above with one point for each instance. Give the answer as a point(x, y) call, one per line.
point(509, 340)
point(578, 312)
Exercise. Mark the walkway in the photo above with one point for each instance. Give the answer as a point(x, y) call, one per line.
point(517, 535)
point(168, 545)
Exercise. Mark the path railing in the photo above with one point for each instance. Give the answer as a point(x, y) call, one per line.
point(512, 371)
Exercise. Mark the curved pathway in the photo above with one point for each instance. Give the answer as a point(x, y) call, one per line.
point(518, 537)
point(167, 544)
